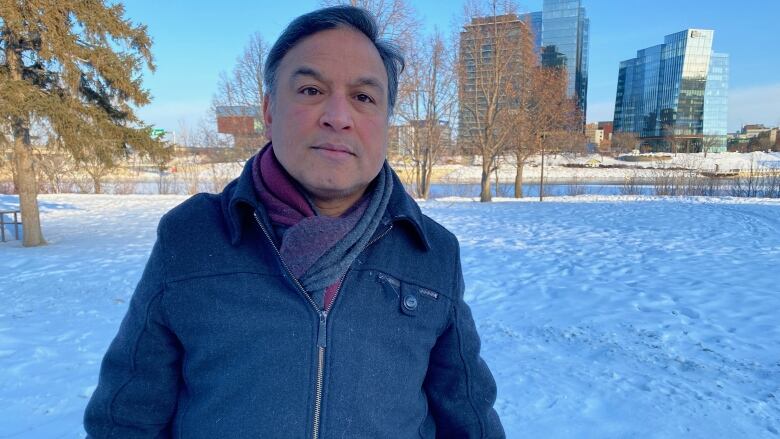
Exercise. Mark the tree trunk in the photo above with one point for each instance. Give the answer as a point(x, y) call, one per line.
point(27, 187)
point(498, 184)
point(519, 179)
point(425, 181)
point(484, 194)
point(96, 184)
point(427, 191)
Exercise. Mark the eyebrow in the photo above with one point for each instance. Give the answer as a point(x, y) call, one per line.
point(307, 71)
point(368, 81)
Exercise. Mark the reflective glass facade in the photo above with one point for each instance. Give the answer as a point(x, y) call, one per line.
point(565, 30)
point(534, 19)
point(716, 100)
point(674, 95)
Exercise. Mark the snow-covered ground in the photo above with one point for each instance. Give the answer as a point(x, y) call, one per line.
point(601, 317)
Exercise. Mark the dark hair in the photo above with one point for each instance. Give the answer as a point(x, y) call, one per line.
point(332, 18)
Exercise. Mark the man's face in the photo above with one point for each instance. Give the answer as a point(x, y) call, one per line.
point(328, 117)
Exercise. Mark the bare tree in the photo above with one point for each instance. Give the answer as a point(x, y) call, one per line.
point(670, 137)
point(98, 163)
point(397, 19)
point(243, 87)
point(55, 167)
point(545, 120)
point(525, 105)
point(425, 109)
point(623, 142)
point(490, 61)
point(711, 142)
point(244, 84)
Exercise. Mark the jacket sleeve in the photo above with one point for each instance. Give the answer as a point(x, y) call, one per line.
point(460, 388)
point(140, 375)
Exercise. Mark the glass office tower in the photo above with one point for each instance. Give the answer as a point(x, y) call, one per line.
point(716, 104)
point(565, 38)
point(534, 19)
point(674, 95)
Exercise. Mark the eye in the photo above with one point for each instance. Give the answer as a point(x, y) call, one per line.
point(309, 91)
point(362, 97)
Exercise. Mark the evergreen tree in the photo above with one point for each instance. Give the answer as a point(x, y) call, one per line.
point(73, 66)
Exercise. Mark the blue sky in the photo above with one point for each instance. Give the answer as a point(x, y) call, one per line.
point(195, 40)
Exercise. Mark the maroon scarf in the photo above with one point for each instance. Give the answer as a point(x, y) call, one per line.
point(304, 235)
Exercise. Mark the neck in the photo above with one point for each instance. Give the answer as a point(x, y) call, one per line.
point(335, 207)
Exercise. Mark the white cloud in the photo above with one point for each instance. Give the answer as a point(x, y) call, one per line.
point(759, 104)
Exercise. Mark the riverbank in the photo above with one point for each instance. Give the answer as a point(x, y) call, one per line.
point(598, 169)
point(562, 169)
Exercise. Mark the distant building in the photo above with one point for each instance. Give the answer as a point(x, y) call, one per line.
point(593, 135)
point(561, 39)
point(598, 136)
point(606, 127)
point(535, 20)
point(674, 96)
point(565, 40)
point(750, 131)
point(478, 56)
point(244, 123)
point(401, 137)
point(755, 138)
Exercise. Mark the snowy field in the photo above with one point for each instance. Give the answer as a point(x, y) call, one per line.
point(601, 317)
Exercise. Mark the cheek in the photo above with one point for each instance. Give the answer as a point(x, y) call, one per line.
point(375, 134)
point(301, 116)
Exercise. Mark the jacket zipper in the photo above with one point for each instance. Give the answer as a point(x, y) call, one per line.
point(323, 316)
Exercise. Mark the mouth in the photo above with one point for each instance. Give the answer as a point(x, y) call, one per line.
point(334, 148)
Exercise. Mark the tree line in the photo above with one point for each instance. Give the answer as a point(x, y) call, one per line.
point(70, 78)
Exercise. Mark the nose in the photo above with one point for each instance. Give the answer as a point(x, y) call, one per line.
point(336, 113)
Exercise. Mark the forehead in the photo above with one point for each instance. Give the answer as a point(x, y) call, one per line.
point(340, 53)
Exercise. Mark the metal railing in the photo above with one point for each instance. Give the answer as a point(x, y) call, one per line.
point(16, 223)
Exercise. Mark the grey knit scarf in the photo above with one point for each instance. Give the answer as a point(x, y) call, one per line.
point(328, 269)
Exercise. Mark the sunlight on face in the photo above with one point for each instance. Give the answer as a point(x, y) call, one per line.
point(328, 118)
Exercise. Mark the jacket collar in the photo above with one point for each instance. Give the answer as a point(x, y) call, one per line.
point(239, 203)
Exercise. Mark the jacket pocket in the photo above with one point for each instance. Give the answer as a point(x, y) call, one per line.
point(413, 300)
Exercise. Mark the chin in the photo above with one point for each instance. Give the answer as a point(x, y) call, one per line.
point(335, 191)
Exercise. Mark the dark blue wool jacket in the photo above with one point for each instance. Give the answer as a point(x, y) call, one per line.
point(220, 341)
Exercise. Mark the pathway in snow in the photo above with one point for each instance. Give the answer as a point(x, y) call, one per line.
point(600, 317)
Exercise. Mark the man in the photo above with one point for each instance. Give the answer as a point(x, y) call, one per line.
point(311, 298)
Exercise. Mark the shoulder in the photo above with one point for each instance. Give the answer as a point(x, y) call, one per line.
point(439, 237)
point(192, 232)
point(194, 210)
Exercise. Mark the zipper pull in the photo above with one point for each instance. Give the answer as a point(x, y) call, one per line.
point(321, 335)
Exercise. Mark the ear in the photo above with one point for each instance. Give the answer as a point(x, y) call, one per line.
point(267, 115)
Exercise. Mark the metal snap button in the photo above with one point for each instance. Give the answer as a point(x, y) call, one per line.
point(410, 302)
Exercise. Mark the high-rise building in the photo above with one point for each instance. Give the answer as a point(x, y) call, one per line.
point(674, 96)
point(560, 39)
point(535, 20)
point(494, 51)
point(565, 41)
